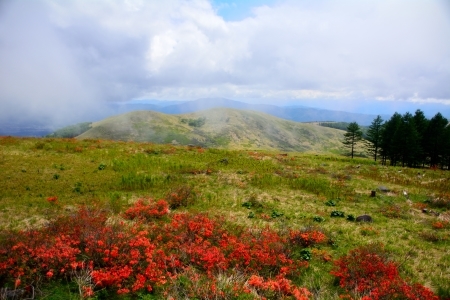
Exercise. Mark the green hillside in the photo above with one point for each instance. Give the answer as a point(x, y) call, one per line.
point(83, 219)
point(71, 131)
point(219, 128)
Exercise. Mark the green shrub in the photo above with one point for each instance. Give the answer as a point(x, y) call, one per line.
point(337, 214)
point(318, 219)
point(276, 214)
point(351, 218)
point(305, 254)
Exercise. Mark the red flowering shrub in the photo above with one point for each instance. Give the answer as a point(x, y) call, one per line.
point(440, 224)
point(147, 209)
point(307, 237)
point(149, 254)
point(278, 288)
point(368, 272)
point(200, 241)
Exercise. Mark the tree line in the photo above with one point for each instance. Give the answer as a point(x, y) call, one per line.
point(406, 140)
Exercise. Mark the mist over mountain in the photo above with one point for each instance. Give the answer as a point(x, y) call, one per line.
point(291, 112)
point(298, 113)
point(219, 128)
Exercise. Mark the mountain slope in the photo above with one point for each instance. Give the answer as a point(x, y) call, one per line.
point(293, 113)
point(223, 127)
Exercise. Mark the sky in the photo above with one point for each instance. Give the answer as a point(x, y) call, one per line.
point(62, 61)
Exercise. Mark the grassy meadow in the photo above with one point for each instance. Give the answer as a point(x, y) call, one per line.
point(246, 188)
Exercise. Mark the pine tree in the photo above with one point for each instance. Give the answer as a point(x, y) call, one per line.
point(405, 142)
point(434, 139)
point(387, 136)
point(352, 136)
point(421, 124)
point(373, 137)
point(446, 148)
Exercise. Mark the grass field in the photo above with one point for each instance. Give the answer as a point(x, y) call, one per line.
point(247, 189)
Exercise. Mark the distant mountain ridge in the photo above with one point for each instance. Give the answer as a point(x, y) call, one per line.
point(42, 127)
point(220, 128)
point(293, 113)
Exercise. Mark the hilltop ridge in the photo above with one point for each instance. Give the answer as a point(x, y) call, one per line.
point(221, 128)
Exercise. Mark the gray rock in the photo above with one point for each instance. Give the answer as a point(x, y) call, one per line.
point(364, 218)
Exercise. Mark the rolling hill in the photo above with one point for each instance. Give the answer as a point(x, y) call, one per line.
point(218, 127)
point(293, 113)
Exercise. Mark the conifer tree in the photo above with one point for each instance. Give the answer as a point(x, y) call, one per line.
point(434, 139)
point(405, 142)
point(446, 148)
point(387, 136)
point(373, 137)
point(352, 136)
point(421, 124)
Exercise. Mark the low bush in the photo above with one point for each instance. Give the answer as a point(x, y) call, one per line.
point(318, 219)
point(307, 237)
point(153, 256)
point(147, 209)
point(337, 214)
point(368, 272)
point(351, 218)
point(182, 196)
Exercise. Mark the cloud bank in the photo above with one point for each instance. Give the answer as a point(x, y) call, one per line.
point(62, 60)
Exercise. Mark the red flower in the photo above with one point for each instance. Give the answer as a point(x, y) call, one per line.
point(17, 283)
point(52, 199)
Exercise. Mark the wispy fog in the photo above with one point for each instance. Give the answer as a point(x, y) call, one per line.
point(62, 61)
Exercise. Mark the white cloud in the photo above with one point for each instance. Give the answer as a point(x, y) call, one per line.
point(56, 53)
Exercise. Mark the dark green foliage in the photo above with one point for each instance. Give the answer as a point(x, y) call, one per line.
point(276, 214)
point(335, 125)
point(421, 124)
point(387, 137)
point(415, 141)
point(434, 139)
point(337, 214)
point(305, 254)
point(248, 205)
point(446, 147)
point(194, 122)
point(351, 218)
point(373, 137)
point(406, 142)
point(318, 219)
point(352, 136)
point(71, 131)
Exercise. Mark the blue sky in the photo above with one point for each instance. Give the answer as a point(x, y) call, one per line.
point(233, 10)
point(63, 61)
